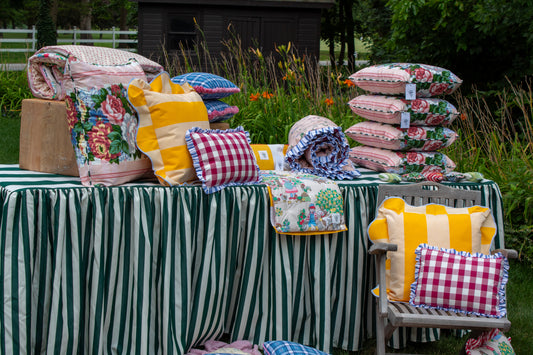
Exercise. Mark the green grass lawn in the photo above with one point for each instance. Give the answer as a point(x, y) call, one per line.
point(9, 141)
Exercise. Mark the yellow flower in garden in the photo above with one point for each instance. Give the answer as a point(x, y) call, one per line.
point(254, 97)
point(329, 101)
point(267, 95)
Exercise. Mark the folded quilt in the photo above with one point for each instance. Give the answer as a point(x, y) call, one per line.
point(46, 68)
point(304, 204)
point(318, 146)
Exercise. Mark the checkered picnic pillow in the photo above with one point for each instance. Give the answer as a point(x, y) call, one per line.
point(209, 86)
point(459, 281)
point(222, 157)
point(283, 347)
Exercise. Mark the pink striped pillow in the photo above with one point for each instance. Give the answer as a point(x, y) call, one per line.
point(389, 109)
point(415, 138)
point(87, 76)
point(389, 161)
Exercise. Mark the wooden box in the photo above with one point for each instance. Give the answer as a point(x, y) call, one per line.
point(45, 138)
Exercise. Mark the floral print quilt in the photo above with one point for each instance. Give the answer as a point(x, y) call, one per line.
point(304, 204)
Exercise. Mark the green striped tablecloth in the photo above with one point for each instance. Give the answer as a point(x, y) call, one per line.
point(146, 269)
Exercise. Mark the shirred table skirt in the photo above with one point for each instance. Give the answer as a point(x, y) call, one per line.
point(142, 268)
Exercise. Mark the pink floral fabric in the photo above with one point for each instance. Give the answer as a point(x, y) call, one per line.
point(389, 161)
point(389, 109)
point(103, 126)
point(391, 79)
point(415, 138)
point(46, 68)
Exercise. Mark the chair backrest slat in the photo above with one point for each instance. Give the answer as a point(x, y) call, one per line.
point(430, 192)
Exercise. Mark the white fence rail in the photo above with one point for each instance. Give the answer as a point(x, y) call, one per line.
point(29, 44)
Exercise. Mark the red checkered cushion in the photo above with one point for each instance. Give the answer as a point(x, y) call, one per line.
point(222, 157)
point(459, 281)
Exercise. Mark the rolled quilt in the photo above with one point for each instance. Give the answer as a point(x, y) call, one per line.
point(46, 68)
point(318, 146)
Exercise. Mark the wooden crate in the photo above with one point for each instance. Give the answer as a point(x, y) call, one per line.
point(45, 138)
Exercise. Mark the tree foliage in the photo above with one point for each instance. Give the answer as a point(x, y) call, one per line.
point(481, 41)
point(46, 30)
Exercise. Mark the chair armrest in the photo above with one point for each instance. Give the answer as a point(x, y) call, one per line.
point(382, 248)
point(508, 253)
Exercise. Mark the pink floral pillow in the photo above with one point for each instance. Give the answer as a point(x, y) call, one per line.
point(415, 138)
point(459, 281)
point(103, 126)
point(389, 109)
point(222, 157)
point(392, 79)
point(389, 161)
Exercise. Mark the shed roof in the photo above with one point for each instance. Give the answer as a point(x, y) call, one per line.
point(268, 3)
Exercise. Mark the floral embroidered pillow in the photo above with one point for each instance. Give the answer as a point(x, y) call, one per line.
point(415, 138)
point(389, 109)
point(392, 79)
point(103, 126)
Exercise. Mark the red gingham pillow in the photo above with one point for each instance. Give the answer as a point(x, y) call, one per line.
point(459, 281)
point(222, 157)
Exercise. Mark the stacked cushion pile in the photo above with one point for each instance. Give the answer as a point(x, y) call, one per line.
point(211, 88)
point(406, 124)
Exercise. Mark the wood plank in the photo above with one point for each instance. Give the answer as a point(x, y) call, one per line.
point(45, 138)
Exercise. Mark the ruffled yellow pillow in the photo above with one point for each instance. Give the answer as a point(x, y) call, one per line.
point(469, 229)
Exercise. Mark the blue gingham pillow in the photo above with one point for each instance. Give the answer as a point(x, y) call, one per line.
point(208, 86)
point(218, 111)
point(282, 347)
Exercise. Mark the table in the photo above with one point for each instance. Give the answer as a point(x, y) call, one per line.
point(142, 268)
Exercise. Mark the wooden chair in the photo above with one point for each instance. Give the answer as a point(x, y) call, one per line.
point(392, 315)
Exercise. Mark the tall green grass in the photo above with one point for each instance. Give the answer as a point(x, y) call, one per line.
point(496, 139)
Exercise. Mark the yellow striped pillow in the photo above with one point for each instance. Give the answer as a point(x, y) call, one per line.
point(166, 111)
point(469, 229)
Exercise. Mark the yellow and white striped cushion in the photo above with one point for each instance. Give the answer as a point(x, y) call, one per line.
point(166, 111)
point(469, 229)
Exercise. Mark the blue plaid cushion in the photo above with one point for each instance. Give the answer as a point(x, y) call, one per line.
point(218, 111)
point(282, 347)
point(209, 86)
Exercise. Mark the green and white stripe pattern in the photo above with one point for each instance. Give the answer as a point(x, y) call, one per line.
point(142, 268)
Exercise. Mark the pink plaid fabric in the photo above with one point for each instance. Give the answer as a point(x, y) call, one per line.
point(459, 281)
point(222, 157)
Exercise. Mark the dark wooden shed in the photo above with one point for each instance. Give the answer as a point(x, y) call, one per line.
point(258, 24)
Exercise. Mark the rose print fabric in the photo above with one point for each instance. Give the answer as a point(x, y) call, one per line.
point(391, 79)
point(389, 161)
point(389, 109)
point(304, 204)
point(103, 125)
point(415, 138)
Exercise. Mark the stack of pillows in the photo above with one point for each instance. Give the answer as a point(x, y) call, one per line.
point(406, 124)
point(211, 88)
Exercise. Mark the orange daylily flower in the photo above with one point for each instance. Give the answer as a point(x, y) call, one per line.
point(328, 101)
point(267, 95)
point(348, 83)
point(254, 97)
